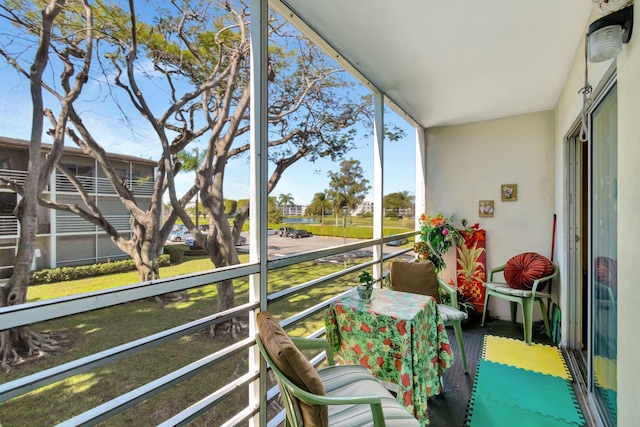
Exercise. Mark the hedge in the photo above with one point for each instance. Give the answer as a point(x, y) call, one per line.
point(176, 253)
point(353, 232)
point(81, 271)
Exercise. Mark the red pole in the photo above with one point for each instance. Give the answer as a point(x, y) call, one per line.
point(553, 237)
point(553, 247)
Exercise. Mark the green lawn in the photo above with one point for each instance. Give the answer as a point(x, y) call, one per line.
point(88, 333)
point(357, 227)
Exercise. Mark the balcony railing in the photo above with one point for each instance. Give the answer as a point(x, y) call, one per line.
point(26, 314)
point(9, 226)
point(18, 176)
point(65, 224)
point(72, 224)
point(93, 185)
point(7, 256)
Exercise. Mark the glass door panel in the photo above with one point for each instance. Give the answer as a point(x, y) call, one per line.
point(604, 230)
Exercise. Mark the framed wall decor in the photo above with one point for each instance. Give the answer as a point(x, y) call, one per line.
point(509, 192)
point(485, 208)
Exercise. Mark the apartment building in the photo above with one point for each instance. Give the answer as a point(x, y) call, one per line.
point(63, 238)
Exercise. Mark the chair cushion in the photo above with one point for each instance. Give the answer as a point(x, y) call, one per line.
point(356, 380)
point(507, 290)
point(522, 270)
point(294, 365)
point(414, 277)
point(449, 314)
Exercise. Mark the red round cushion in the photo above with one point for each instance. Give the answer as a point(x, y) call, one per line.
point(606, 271)
point(522, 270)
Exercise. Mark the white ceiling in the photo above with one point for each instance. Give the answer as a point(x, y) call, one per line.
point(455, 61)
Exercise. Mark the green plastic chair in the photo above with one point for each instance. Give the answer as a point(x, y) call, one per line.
point(376, 407)
point(526, 298)
point(449, 313)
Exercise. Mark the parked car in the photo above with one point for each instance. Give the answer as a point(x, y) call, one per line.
point(191, 242)
point(284, 231)
point(398, 242)
point(179, 236)
point(296, 234)
point(271, 231)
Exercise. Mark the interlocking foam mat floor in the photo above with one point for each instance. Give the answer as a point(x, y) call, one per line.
point(527, 386)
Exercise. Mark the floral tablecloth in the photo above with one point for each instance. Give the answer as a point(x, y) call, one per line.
point(399, 337)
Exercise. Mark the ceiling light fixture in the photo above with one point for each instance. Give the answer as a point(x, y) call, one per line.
point(607, 34)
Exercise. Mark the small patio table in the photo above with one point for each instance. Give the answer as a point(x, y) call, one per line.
point(399, 337)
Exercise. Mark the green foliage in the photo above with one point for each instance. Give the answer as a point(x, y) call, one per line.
point(195, 252)
point(92, 332)
point(176, 253)
point(285, 199)
point(241, 203)
point(401, 200)
point(230, 207)
point(348, 185)
point(79, 272)
point(439, 233)
point(319, 205)
point(190, 159)
point(274, 215)
point(391, 214)
point(366, 279)
point(352, 232)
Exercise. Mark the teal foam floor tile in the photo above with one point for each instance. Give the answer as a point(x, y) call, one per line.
point(547, 395)
point(485, 412)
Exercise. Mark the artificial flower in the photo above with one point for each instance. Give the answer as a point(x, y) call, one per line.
point(439, 234)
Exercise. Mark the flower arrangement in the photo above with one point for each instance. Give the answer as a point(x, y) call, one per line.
point(437, 235)
point(473, 237)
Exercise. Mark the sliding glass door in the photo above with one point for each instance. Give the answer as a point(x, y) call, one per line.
point(603, 254)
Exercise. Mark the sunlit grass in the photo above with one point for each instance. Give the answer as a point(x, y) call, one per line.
point(92, 332)
point(60, 289)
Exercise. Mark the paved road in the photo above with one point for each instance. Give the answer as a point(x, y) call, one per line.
point(285, 245)
point(278, 246)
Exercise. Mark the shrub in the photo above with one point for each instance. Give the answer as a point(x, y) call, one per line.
point(195, 252)
point(176, 253)
point(62, 274)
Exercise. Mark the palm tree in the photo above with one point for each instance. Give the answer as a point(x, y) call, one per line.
point(285, 199)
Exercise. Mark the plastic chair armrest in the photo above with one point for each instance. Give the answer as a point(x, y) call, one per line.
point(370, 399)
point(450, 290)
point(385, 280)
point(313, 343)
point(495, 270)
point(367, 399)
point(534, 287)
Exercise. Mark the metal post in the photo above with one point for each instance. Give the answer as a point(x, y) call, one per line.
point(344, 227)
point(197, 192)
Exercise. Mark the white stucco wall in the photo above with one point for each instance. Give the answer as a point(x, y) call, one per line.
point(471, 161)
point(628, 234)
point(568, 109)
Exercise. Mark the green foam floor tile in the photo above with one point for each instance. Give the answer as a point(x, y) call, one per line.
point(485, 412)
point(547, 395)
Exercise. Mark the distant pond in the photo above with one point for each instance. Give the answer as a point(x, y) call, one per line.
point(300, 220)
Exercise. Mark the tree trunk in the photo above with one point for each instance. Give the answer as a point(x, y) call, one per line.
point(226, 295)
point(146, 266)
point(17, 343)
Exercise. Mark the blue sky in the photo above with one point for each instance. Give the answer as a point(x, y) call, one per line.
point(133, 136)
